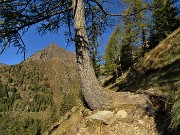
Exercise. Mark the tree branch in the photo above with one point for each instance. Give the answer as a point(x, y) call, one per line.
point(24, 46)
point(23, 20)
point(120, 15)
point(36, 20)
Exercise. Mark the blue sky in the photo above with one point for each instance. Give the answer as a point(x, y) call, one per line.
point(34, 42)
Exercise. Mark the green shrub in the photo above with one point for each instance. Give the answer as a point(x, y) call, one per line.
point(20, 126)
point(175, 111)
point(10, 80)
point(68, 103)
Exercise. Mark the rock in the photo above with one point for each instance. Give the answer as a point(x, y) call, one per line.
point(121, 114)
point(141, 122)
point(127, 115)
point(106, 116)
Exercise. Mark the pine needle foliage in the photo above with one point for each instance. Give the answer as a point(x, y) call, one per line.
point(175, 111)
point(112, 52)
point(165, 20)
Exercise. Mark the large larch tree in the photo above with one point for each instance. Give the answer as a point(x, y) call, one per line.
point(17, 16)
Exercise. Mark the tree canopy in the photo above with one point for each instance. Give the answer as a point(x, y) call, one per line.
point(78, 15)
point(112, 52)
point(17, 17)
point(164, 20)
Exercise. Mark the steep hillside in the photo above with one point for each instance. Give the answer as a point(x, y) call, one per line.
point(155, 76)
point(158, 71)
point(41, 95)
point(36, 93)
point(158, 75)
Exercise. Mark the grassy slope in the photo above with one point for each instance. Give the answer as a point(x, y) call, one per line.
point(158, 74)
point(158, 71)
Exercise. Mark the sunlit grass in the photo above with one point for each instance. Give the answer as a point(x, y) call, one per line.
point(158, 72)
point(175, 111)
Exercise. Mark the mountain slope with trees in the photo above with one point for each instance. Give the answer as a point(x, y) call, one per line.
point(78, 15)
point(157, 75)
point(18, 16)
point(37, 92)
point(165, 19)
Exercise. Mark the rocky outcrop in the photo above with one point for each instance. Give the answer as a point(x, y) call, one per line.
point(129, 114)
point(106, 117)
point(52, 52)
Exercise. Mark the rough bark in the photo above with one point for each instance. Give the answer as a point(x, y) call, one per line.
point(90, 87)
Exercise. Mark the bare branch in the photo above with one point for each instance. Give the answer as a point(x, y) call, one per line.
point(120, 15)
point(23, 47)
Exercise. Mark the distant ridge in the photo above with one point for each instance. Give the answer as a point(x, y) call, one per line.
point(1, 64)
point(53, 51)
point(38, 91)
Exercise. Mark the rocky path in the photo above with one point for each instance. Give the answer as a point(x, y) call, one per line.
point(128, 114)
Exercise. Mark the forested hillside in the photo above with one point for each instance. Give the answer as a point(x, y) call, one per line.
point(157, 74)
point(53, 93)
point(36, 93)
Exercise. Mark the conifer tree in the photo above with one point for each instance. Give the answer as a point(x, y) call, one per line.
point(17, 16)
point(112, 52)
point(164, 20)
point(126, 58)
point(139, 24)
point(132, 35)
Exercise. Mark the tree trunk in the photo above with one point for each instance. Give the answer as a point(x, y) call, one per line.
point(90, 87)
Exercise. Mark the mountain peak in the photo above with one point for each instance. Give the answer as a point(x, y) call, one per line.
point(51, 52)
point(52, 48)
point(53, 45)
